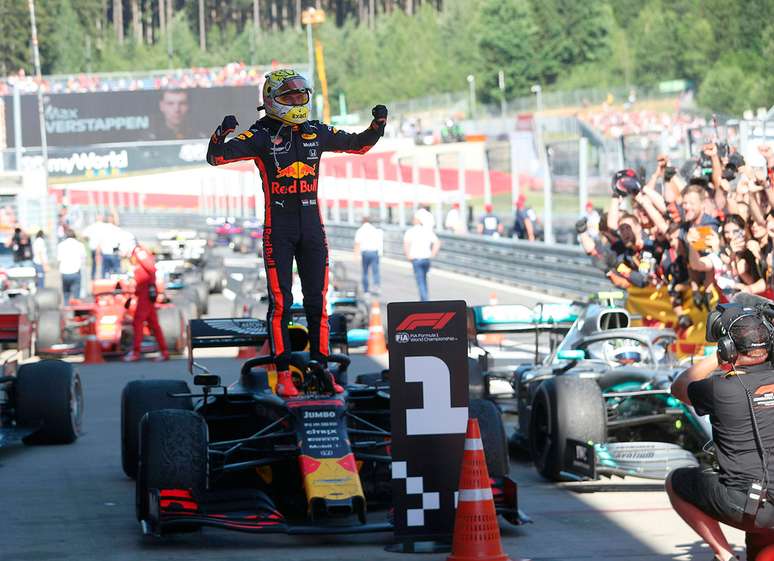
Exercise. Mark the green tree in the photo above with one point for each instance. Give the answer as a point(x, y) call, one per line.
point(69, 32)
point(508, 43)
point(726, 89)
point(15, 33)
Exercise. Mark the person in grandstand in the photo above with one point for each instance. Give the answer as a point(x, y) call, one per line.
point(286, 147)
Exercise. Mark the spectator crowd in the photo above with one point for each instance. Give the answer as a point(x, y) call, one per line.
point(232, 74)
point(704, 230)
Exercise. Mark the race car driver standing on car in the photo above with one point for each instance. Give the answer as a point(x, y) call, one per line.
point(286, 147)
point(145, 311)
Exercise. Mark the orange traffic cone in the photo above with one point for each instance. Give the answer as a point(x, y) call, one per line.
point(476, 533)
point(376, 343)
point(92, 352)
point(767, 554)
point(493, 299)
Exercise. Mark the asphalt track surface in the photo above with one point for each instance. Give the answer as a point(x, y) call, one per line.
point(74, 502)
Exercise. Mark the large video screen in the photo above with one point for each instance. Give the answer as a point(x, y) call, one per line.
point(83, 119)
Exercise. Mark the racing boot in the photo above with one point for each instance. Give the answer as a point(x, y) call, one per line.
point(285, 385)
point(132, 357)
point(336, 387)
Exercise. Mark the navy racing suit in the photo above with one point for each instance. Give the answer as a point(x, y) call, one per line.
point(288, 159)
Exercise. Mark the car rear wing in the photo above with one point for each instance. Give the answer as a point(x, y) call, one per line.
point(252, 332)
point(226, 332)
point(514, 318)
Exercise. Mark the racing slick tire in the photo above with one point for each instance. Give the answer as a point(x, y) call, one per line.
point(49, 394)
point(172, 455)
point(172, 325)
point(137, 399)
point(214, 276)
point(203, 294)
point(49, 329)
point(47, 299)
point(564, 407)
point(495, 442)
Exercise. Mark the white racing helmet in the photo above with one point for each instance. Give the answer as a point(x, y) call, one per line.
point(287, 96)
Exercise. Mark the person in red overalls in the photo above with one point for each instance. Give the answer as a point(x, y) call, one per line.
point(145, 293)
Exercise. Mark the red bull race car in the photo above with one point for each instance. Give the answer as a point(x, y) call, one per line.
point(239, 457)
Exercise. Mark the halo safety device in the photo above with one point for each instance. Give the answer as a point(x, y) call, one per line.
point(287, 97)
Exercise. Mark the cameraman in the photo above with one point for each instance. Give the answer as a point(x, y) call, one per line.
point(703, 498)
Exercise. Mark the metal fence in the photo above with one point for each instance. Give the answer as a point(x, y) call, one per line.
point(547, 268)
point(554, 269)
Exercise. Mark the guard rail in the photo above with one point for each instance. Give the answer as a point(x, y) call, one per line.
point(549, 268)
point(559, 270)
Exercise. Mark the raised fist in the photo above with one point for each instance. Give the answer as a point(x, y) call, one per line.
point(380, 113)
point(228, 126)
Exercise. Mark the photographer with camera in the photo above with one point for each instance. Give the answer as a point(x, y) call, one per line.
point(735, 388)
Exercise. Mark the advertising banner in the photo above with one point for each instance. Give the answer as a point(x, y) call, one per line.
point(111, 159)
point(429, 413)
point(83, 119)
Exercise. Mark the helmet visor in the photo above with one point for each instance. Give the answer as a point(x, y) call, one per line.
point(294, 91)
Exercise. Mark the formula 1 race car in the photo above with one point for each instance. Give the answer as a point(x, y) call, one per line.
point(40, 402)
point(240, 457)
point(18, 288)
point(599, 403)
point(109, 317)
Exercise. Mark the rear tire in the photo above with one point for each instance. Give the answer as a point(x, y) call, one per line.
point(137, 399)
point(564, 407)
point(49, 395)
point(172, 326)
point(47, 299)
point(203, 296)
point(173, 455)
point(50, 329)
point(493, 436)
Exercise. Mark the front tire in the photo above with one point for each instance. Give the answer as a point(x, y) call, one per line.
point(173, 455)
point(564, 407)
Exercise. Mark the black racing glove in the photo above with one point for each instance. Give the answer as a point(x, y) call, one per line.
point(379, 113)
point(228, 126)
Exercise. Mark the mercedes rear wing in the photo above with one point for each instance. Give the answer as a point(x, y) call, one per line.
point(515, 318)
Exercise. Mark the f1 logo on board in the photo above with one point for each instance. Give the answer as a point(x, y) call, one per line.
point(408, 331)
point(435, 320)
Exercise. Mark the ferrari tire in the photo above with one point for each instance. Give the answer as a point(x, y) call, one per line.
point(172, 455)
point(172, 325)
point(47, 299)
point(49, 329)
point(564, 407)
point(137, 399)
point(493, 437)
point(49, 395)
